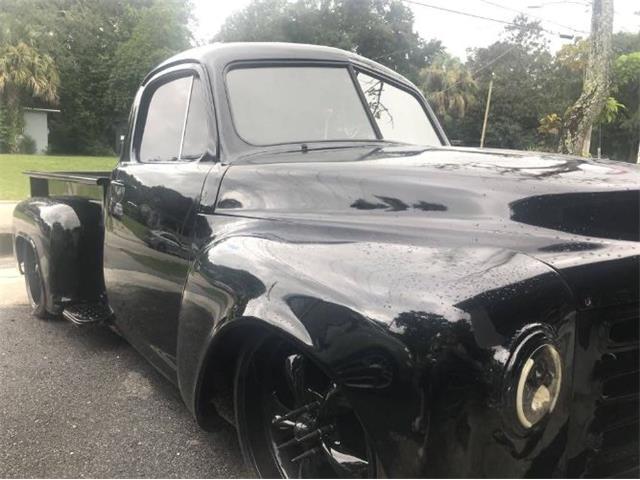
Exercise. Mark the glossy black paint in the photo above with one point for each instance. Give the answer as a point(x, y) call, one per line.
point(138, 268)
point(67, 233)
point(407, 274)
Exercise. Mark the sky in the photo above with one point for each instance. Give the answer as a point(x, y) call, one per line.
point(458, 32)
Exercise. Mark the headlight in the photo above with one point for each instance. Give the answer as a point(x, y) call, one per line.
point(533, 378)
point(538, 385)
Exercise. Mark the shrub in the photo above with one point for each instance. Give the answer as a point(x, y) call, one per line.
point(99, 150)
point(4, 131)
point(26, 144)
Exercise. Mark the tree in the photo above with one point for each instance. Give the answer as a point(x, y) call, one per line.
point(84, 38)
point(618, 123)
point(566, 73)
point(160, 31)
point(621, 134)
point(521, 67)
point(377, 29)
point(450, 89)
point(579, 119)
point(24, 73)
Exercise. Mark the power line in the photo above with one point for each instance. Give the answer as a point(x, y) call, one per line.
point(504, 7)
point(481, 17)
point(473, 15)
point(585, 4)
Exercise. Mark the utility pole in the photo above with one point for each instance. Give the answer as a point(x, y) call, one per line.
point(486, 112)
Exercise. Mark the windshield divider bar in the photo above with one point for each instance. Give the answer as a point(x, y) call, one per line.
point(363, 99)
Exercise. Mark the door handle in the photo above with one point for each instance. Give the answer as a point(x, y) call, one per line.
point(117, 187)
point(116, 192)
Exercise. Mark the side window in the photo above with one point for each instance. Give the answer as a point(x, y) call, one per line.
point(164, 121)
point(196, 133)
point(398, 113)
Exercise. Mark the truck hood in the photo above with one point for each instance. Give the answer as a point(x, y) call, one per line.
point(566, 211)
point(391, 185)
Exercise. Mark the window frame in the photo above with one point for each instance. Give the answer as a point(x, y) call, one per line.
point(353, 67)
point(141, 107)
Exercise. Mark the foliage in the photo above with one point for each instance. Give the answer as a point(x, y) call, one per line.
point(522, 70)
point(450, 89)
point(618, 123)
point(550, 124)
point(160, 31)
point(25, 73)
point(549, 130)
point(103, 49)
point(378, 29)
point(621, 136)
point(533, 89)
point(26, 144)
point(573, 56)
point(578, 120)
point(89, 40)
point(25, 70)
point(4, 129)
point(610, 111)
point(627, 68)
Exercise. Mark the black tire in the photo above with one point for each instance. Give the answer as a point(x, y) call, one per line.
point(34, 283)
point(293, 420)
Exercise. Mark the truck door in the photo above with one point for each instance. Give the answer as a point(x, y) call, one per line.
point(151, 209)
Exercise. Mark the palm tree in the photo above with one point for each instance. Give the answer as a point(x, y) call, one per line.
point(449, 87)
point(24, 73)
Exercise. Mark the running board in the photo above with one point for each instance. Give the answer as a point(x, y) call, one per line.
point(87, 313)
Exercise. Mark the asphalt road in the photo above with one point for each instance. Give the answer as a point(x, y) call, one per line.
point(81, 402)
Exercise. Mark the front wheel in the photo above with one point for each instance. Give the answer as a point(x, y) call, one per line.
point(293, 420)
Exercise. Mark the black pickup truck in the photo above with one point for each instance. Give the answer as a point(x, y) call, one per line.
point(291, 240)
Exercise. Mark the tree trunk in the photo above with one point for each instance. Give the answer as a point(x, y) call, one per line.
point(579, 118)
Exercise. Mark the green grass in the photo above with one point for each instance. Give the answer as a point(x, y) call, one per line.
point(15, 186)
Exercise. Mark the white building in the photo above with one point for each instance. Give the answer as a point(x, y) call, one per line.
point(36, 126)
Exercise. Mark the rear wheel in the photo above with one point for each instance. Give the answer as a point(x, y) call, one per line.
point(294, 421)
point(34, 282)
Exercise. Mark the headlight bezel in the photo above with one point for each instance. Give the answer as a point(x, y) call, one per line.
point(534, 341)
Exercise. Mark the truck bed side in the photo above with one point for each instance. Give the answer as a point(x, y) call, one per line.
point(62, 222)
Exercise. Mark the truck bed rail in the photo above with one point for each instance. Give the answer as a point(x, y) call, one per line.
point(44, 184)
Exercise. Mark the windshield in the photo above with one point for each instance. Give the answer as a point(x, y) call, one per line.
point(272, 105)
point(295, 104)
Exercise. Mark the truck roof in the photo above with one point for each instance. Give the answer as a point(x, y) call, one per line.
point(218, 55)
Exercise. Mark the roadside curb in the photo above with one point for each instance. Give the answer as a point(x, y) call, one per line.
point(6, 244)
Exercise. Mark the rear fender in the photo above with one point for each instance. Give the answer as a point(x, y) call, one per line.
point(67, 235)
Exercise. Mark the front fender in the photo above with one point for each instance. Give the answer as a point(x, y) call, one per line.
point(67, 234)
point(418, 336)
